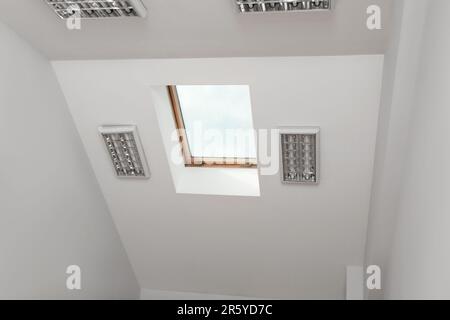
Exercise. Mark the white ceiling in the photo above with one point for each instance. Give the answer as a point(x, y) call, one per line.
point(291, 242)
point(201, 28)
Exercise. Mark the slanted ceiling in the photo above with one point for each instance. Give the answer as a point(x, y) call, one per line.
point(291, 242)
point(201, 28)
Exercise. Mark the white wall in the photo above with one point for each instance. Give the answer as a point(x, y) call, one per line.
point(52, 213)
point(174, 295)
point(420, 256)
point(397, 98)
point(409, 221)
point(294, 241)
point(355, 283)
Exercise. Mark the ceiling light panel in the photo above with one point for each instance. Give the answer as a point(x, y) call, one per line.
point(125, 150)
point(249, 6)
point(300, 155)
point(95, 9)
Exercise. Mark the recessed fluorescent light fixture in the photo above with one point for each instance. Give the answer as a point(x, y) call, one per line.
point(248, 6)
point(95, 9)
point(299, 149)
point(125, 150)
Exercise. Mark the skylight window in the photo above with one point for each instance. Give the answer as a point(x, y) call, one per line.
point(215, 125)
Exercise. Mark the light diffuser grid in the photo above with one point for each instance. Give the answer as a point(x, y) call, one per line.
point(247, 6)
point(125, 151)
point(97, 8)
point(299, 155)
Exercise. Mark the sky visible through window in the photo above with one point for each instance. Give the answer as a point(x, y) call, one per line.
point(218, 120)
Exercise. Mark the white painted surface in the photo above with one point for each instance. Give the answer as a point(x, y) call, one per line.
point(202, 29)
point(355, 283)
point(212, 181)
point(173, 295)
point(293, 241)
point(398, 99)
point(52, 212)
point(219, 181)
point(420, 260)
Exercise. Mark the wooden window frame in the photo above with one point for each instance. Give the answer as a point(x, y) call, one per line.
point(189, 159)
